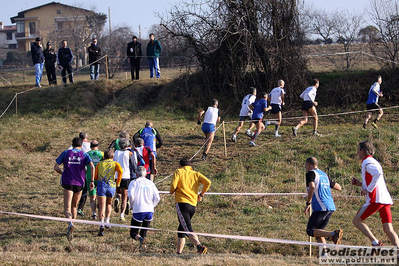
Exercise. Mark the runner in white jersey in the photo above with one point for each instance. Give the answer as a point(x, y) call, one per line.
point(210, 119)
point(309, 108)
point(276, 101)
point(245, 113)
point(377, 196)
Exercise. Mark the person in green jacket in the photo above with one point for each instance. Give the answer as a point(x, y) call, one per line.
point(154, 48)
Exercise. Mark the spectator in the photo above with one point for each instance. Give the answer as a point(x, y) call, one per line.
point(154, 48)
point(38, 60)
point(135, 54)
point(50, 57)
point(64, 60)
point(94, 59)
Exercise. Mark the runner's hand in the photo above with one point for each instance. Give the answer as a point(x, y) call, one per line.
point(199, 121)
point(307, 208)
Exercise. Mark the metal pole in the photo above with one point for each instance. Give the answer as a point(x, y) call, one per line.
point(224, 140)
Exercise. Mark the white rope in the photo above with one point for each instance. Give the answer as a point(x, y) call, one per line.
point(8, 105)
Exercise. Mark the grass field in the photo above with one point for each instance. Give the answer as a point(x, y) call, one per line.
point(50, 117)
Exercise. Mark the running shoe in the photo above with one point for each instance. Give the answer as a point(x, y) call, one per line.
point(378, 245)
point(234, 138)
point(364, 126)
point(266, 123)
point(203, 157)
point(116, 205)
point(127, 208)
point(94, 217)
point(101, 232)
point(81, 213)
point(248, 133)
point(202, 249)
point(317, 134)
point(276, 135)
point(252, 143)
point(123, 219)
point(374, 124)
point(70, 230)
point(336, 238)
point(294, 131)
point(107, 225)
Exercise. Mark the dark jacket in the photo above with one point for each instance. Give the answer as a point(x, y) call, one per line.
point(154, 49)
point(134, 50)
point(94, 53)
point(65, 56)
point(37, 54)
point(50, 57)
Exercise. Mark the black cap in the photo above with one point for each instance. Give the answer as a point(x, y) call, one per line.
point(134, 37)
point(38, 39)
point(48, 43)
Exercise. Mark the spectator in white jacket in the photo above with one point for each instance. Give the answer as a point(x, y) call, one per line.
point(143, 197)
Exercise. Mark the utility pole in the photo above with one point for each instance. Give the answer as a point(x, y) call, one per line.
point(140, 32)
point(109, 20)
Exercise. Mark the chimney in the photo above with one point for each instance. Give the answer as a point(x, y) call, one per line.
point(1, 25)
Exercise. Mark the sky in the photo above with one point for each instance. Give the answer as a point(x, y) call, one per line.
point(133, 13)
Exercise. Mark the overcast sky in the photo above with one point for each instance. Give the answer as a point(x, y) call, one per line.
point(133, 13)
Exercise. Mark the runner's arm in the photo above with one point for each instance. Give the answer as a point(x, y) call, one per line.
point(57, 168)
point(159, 139)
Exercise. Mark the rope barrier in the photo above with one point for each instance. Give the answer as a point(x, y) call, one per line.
point(235, 237)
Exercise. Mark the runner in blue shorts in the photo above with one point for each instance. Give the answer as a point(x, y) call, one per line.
point(258, 108)
point(210, 119)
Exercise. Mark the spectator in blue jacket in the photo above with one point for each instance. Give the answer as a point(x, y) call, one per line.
point(65, 59)
point(38, 60)
point(154, 48)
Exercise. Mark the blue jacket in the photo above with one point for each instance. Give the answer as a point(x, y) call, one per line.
point(154, 49)
point(37, 54)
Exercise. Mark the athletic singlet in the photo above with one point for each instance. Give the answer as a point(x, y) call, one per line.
point(245, 110)
point(105, 173)
point(96, 156)
point(309, 94)
point(373, 93)
point(211, 115)
point(148, 134)
point(259, 105)
point(275, 95)
point(123, 158)
point(322, 199)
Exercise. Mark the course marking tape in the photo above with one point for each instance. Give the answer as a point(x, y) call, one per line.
point(236, 237)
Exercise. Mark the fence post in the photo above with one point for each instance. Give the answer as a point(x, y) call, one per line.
point(106, 66)
point(224, 140)
point(16, 104)
point(310, 238)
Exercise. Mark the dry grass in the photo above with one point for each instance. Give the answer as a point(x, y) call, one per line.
point(31, 141)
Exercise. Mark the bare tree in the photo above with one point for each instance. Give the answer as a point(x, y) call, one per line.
point(385, 16)
point(241, 43)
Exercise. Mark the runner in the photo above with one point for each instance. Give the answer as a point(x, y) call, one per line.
point(245, 113)
point(106, 186)
point(96, 156)
point(319, 196)
point(125, 159)
point(145, 157)
point(151, 137)
point(376, 194)
point(211, 118)
point(185, 185)
point(258, 108)
point(372, 103)
point(115, 143)
point(73, 179)
point(276, 101)
point(309, 108)
point(143, 197)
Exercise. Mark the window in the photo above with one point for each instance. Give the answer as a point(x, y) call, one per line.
point(59, 25)
point(12, 46)
point(9, 35)
point(32, 28)
point(20, 27)
point(59, 11)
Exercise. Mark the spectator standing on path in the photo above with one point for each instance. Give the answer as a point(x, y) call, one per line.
point(154, 48)
point(245, 113)
point(73, 179)
point(319, 187)
point(185, 185)
point(143, 197)
point(211, 118)
point(151, 137)
point(376, 194)
point(64, 60)
point(258, 108)
point(309, 108)
point(50, 58)
point(94, 56)
point(372, 103)
point(135, 54)
point(38, 60)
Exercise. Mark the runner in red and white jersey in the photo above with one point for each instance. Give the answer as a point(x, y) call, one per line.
point(376, 193)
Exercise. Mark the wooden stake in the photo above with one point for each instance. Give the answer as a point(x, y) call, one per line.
point(16, 104)
point(106, 66)
point(310, 238)
point(224, 140)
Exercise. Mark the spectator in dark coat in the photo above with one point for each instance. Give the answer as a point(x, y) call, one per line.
point(38, 60)
point(135, 54)
point(65, 59)
point(94, 56)
point(50, 57)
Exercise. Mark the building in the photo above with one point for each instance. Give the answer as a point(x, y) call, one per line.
point(8, 41)
point(54, 22)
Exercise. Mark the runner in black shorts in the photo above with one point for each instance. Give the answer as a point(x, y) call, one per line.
point(372, 103)
point(276, 101)
point(75, 189)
